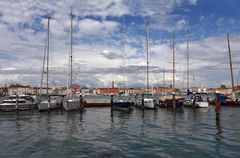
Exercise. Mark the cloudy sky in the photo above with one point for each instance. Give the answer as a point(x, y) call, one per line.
point(104, 30)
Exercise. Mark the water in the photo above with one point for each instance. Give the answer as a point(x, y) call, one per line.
point(161, 133)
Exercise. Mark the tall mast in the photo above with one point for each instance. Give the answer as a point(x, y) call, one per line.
point(70, 56)
point(230, 61)
point(44, 59)
point(123, 57)
point(147, 47)
point(173, 62)
point(48, 41)
point(123, 66)
point(174, 102)
point(187, 64)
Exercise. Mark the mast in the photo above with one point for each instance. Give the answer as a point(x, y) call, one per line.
point(173, 44)
point(123, 66)
point(70, 55)
point(230, 61)
point(123, 58)
point(44, 59)
point(187, 64)
point(48, 41)
point(147, 47)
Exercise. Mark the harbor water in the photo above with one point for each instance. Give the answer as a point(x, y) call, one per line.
point(161, 133)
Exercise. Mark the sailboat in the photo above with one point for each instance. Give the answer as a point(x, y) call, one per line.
point(147, 100)
point(199, 99)
point(172, 101)
point(230, 100)
point(121, 103)
point(51, 102)
point(72, 101)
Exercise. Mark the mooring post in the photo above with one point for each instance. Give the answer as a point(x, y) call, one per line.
point(142, 101)
point(194, 100)
point(111, 104)
point(218, 106)
point(174, 101)
point(49, 103)
point(17, 103)
point(62, 100)
point(81, 103)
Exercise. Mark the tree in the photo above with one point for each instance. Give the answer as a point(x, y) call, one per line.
point(222, 86)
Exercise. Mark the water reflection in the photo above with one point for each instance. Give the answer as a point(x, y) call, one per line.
point(121, 118)
point(219, 130)
point(18, 125)
point(142, 132)
point(48, 122)
point(138, 133)
point(218, 136)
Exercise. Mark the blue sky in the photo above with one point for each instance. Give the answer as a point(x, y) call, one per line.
point(100, 28)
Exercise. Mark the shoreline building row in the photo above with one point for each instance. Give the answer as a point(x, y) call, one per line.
point(27, 89)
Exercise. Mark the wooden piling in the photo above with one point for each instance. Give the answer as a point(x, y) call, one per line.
point(48, 103)
point(142, 101)
point(17, 103)
point(111, 105)
point(218, 107)
point(174, 101)
point(81, 103)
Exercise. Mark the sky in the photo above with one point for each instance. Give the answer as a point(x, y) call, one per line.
point(105, 31)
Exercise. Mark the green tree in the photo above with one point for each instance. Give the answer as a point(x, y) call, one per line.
point(222, 86)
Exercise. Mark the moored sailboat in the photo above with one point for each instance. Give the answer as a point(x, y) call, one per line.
point(172, 101)
point(49, 103)
point(196, 100)
point(121, 102)
point(72, 100)
point(230, 100)
point(147, 101)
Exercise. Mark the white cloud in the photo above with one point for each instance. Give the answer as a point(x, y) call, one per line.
point(193, 2)
point(94, 27)
point(91, 23)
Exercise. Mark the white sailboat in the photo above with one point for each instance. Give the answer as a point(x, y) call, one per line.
point(49, 103)
point(199, 99)
point(147, 101)
point(72, 101)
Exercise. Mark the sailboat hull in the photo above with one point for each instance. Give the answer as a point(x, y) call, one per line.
point(168, 103)
point(43, 106)
point(230, 103)
point(71, 105)
point(197, 104)
point(122, 106)
point(148, 103)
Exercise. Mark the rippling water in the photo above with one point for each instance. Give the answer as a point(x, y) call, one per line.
point(161, 133)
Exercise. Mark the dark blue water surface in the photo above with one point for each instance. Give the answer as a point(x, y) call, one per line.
point(161, 133)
